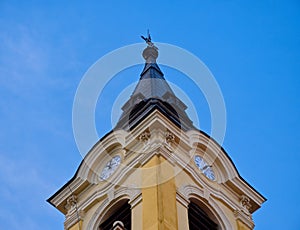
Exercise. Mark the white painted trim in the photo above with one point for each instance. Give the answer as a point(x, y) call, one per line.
point(133, 195)
point(189, 191)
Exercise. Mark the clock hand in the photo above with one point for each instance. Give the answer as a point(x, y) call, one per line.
point(205, 167)
point(109, 164)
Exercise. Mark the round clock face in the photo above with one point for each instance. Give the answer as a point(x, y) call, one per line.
point(110, 167)
point(204, 167)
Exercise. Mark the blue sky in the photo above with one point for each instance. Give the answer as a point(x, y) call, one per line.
point(252, 49)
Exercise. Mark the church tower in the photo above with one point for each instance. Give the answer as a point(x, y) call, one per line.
point(156, 171)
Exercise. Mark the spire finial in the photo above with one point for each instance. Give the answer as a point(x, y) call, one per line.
point(150, 53)
point(148, 39)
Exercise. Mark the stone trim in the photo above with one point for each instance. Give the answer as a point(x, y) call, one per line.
point(189, 191)
point(74, 218)
point(134, 196)
point(244, 218)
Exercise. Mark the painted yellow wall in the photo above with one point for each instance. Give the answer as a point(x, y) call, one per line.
point(242, 226)
point(229, 213)
point(159, 201)
point(77, 226)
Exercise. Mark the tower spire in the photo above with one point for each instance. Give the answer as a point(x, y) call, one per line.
point(153, 92)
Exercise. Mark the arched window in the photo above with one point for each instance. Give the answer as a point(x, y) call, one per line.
point(199, 219)
point(119, 212)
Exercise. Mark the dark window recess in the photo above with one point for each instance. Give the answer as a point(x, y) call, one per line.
point(122, 214)
point(199, 220)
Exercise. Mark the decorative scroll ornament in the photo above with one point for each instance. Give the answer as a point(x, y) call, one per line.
point(145, 136)
point(71, 202)
point(170, 137)
point(245, 202)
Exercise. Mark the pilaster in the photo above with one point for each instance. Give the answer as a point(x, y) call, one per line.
point(159, 201)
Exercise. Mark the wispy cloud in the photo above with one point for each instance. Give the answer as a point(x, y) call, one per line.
point(22, 194)
point(23, 57)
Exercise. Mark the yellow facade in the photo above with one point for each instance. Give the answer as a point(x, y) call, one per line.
point(159, 202)
point(159, 184)
point(151, 167)
point(76, 226)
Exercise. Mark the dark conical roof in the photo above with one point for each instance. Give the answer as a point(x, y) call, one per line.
point(152, 83)
point(153, 92)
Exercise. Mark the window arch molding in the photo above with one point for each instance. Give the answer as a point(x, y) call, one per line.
point(190, 193)
point(122, 195)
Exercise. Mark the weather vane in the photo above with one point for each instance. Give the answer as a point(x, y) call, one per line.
point(148, 39)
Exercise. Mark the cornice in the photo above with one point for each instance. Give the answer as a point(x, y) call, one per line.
point(164, 138)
